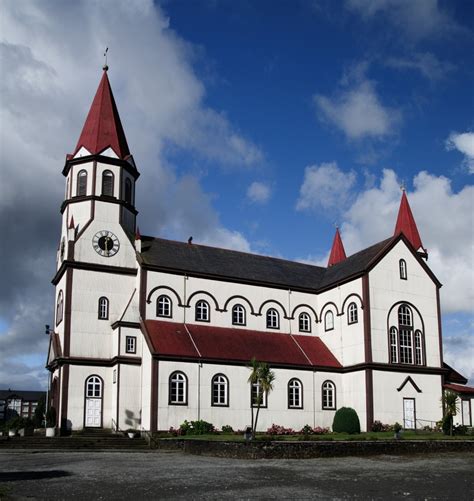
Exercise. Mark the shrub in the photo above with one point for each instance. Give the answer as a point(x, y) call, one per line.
point(346, 421)
point(227, 429)
point(397, 427)
point(379, 426)
point(459, 429)
point(280, 430)
point(307, 430)
point(199, 427)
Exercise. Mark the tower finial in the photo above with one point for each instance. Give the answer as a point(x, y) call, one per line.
point(402, 185)
point(105, 67)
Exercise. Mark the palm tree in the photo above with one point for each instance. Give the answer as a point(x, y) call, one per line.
point(449, 400)
point(262, 376)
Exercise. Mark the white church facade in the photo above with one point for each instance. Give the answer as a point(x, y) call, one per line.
point(149, 332)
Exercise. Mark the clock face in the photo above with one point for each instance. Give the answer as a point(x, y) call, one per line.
point(105, 243)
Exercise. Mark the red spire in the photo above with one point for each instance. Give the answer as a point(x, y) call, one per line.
point(338, 253)
point(103, 128)
point(406, 224)
point(71, 223)
point(137, 234)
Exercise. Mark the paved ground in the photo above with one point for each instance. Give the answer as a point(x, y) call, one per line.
point(173, 475)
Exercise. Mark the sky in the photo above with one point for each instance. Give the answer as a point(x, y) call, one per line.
point(255, 125)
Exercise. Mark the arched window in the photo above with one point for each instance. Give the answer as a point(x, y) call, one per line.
point(178, 389)
point(328, 395)
point(128, 190)
point(403, 269)
point(238, 315)
point(94, 387)
point(295, 394)
point(81, 188)
point(405, 329)
point(329, 321)
point(393, 345)
point(304, 322)
point(108, 183)
point(103, 312)
point(163, 306)
point(202, 311)
point(352, 314)
point(59, 308)
point(418, 348)
point(220, 390)
point(273, 319)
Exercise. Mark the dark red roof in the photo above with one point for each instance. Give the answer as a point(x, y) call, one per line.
point(103, 128)
point(453, 376)
point(338, 253)
point(459, 388)
point(406, 224)
point(218, 343)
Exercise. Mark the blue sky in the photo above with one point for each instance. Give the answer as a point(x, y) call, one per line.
point(255, 125)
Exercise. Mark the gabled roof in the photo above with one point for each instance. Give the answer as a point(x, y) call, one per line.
point(338, 253)
point(406, 223)
point(453, 376)
point(190, 341)
point(103, 128)
point(463, 390)
point(213, 262)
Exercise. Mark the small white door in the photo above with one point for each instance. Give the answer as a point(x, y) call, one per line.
point(466, 412)
point(409, 413)
point(93, 412)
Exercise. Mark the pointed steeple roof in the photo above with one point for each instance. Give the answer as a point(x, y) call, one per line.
point(338, 253)
point(406, 224)
point(103, 128)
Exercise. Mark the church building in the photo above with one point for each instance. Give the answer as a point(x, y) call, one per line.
point(150, 332)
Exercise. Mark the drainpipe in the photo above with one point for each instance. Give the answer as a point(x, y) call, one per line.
point(199, 392)
point(314, 402)
point(289, 310)
point(185, 278)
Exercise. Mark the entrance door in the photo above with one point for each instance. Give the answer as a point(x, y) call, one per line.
point(93, 410)
point(466, 412)
point(409, 413)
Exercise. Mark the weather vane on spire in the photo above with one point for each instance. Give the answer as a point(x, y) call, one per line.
point(402, 185)
point(105, 67)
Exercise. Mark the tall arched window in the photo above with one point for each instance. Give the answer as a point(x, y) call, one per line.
point(59, 308)
point(220, 390)
point(418, 348)
point(328, 394)
point(103, 313)
point(304, 322)
point(329, 321)
point(163, 306)
point(81, 188)
point(128, 190)
point(403, 269)
point(295, 394)
point(393, 345)
point(238, 315)
point(202, 311)
point(178, 389)
point(108, 183)
point(273, 319)
point(352, 314)
point(94, 387)
point(405, 329)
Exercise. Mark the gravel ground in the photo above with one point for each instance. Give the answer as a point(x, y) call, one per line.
point(174, 475)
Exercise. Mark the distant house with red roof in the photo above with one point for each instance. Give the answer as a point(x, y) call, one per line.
point(149, 332)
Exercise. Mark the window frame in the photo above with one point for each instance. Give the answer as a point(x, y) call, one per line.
point(255, 388)
point(108, 174)
point(242, 313)
point(272, 317)
point(352, 314)
point(219, 384)
point(293, 385)
point(403, 270)
point(405, 335)
point(164, 297)
point(128, 191)
point(131, 339)
point(59, 307)
point(81, 183)
point(184, 382)
point(302, 318)
point(103, 301)
point(328, 393)
point(326, 316)
point(97, 381)
point(198, 311)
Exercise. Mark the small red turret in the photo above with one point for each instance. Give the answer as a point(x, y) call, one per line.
point(338, 253)
point(406, 225)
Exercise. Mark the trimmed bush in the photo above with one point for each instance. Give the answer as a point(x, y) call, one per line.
point(227, 428)
point(346, 420)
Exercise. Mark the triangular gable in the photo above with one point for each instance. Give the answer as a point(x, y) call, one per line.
point(409, 380)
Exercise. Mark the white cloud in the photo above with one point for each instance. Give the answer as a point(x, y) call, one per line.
point(358, 112)
point(426, 63)
point(445, 220)
point(258, 192)
point(326, 187)
point(417, 19)
point(464, 143)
